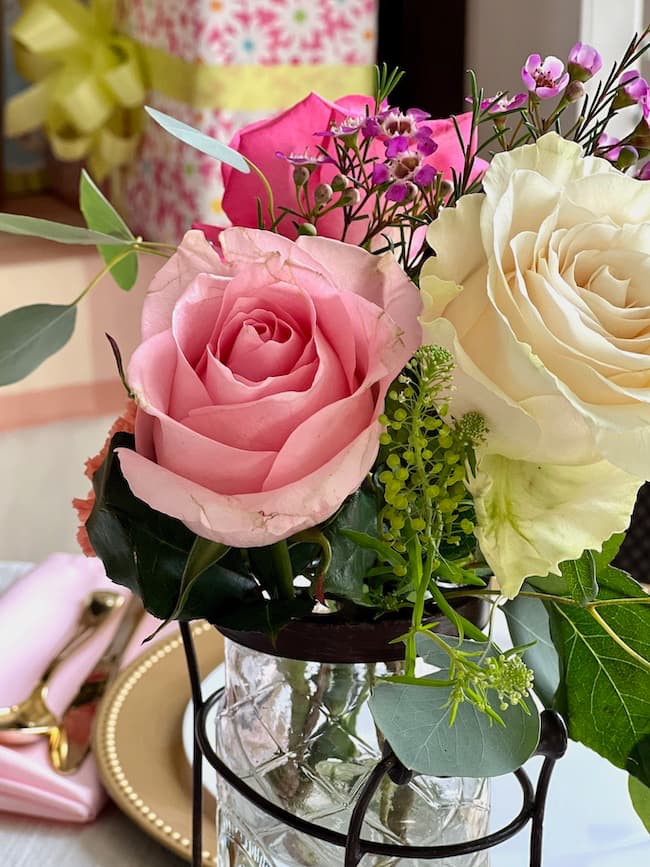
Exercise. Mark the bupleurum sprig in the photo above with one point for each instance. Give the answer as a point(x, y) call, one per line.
point(426, 457)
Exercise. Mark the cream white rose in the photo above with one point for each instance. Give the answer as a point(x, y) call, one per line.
point(541, 290)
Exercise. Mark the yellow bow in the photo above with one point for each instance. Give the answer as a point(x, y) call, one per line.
point(89, 85)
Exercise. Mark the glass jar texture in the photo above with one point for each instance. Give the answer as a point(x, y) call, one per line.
point(302, 735)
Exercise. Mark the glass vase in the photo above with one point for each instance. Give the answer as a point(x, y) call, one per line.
point(301, 733)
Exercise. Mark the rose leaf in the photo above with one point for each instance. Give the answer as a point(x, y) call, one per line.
point(350, 562)
point(148, 551)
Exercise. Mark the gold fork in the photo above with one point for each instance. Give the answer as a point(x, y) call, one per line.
point(22, 723)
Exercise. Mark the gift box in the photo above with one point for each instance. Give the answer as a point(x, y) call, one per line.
point(24, 158)
point(219, 65)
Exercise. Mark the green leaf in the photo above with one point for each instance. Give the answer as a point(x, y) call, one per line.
point(581, 578)
point(199, 141)
point(604, 693)
point(102, 217)
point(640, 797)
point(415, 722)
point(17, 224)
point(365, 540)
point(528, 621)
point(263, 616)
point(29, 335)
point(609, 550)
point(350, 562)
point(203, 554)
point(148, 551)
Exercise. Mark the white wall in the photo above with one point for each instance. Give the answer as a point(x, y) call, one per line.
point(502, 33)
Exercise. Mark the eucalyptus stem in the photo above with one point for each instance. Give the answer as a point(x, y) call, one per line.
point(283, 570)
point(267, 187)
point(105, 270)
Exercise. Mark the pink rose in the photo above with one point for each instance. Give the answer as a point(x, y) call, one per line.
point(295, 131)
point(260, 380)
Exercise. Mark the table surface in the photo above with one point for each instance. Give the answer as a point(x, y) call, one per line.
point(589, 823)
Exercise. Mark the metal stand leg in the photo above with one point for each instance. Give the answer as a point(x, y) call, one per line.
point(197, 756)
point(553, 745)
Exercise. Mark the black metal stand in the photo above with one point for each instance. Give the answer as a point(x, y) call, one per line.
point(552, 745)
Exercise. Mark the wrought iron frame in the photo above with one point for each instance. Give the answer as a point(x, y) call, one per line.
point(552, 746)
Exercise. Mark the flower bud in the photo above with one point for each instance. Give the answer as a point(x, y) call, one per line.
point(350, 196)
point(584, 62)
point(446, 188)
point(575, 91)
point(339, 183)
point(307, 229)
point(627, 157)
point(323, 194)
point(300, 175)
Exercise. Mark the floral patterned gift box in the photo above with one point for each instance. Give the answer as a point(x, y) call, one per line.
point(219, 65)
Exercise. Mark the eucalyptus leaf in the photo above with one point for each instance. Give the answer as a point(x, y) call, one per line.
point(17, 224)
point(640, 797)
point(581, 578)
point(415, 721)
point(528, 621)
point(102, 217)
point(199, 140)
point(604, 693)
point(29, 335)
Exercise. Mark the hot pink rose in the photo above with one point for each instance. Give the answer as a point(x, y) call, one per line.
point(294, 131)
point(260, 379)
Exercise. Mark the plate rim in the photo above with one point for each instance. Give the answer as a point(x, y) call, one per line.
point(106, 752)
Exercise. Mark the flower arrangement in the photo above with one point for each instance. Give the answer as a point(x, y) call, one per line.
point(413, 371)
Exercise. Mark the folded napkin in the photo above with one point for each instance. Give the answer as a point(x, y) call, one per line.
point(38, 613)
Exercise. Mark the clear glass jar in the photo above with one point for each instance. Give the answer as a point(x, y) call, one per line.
point(302, 735)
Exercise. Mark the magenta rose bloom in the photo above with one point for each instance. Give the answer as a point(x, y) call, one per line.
point(296, 132)
point(260, 380)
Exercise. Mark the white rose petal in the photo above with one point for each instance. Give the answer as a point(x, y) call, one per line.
point(550, 333)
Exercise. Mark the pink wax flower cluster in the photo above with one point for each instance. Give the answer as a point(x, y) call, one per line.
point(326, 162)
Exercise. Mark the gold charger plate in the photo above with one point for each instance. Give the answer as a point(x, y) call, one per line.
point(138, 747)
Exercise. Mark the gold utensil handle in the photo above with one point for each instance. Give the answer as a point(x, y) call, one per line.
point(70, 741)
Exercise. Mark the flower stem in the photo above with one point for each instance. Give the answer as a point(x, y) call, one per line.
point(105, 270)
point(283, 570)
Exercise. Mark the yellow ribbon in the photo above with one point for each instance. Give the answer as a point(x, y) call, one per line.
point(90, 82)
point(89, 85)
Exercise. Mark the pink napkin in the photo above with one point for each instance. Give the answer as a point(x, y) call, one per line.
point(38, 613)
